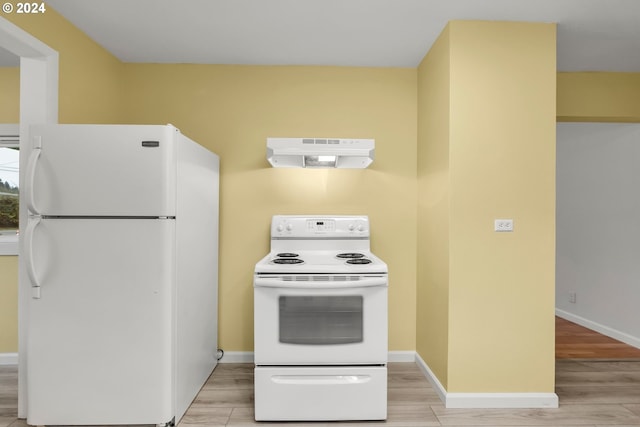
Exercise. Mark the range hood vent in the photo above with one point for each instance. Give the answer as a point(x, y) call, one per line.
point(320, 152)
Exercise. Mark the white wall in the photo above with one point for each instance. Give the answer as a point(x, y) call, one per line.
point(598, 227)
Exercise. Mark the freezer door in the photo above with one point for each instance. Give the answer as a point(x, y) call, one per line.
point(99, 347)
point(101, 170)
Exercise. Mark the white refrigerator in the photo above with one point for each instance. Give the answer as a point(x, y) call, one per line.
point(121, 251)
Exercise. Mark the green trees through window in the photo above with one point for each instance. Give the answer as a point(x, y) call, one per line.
point(9, 196)
point(9, 191)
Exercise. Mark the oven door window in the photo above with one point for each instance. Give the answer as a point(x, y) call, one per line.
point(321, 320)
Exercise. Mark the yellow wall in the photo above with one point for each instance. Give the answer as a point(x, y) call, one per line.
point(500, 164)
point(91, 83)
point(9, 94)
point(8, 304)
point(502, 148)
point(432, 295)
point(233, 109)
point(598, 97)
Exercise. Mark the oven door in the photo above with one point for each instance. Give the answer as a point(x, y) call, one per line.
point(319, 320)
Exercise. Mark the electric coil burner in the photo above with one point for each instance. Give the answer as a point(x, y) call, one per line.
point(287, 261)
point(350, 255)
point(359, 261)
point(287, 258)
point(287, 255)
point(320, 322)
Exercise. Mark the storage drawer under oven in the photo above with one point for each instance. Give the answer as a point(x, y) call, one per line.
point(318, 326)
point(320, 393)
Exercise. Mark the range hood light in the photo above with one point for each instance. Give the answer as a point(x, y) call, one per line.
point(319, 161)
point(320, 152)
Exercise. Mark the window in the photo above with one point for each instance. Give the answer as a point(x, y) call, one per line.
point(9, 189)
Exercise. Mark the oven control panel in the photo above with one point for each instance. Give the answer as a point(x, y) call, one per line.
point(320, 226)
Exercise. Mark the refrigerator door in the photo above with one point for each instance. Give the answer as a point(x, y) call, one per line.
point(101, 170)
point(99, 347)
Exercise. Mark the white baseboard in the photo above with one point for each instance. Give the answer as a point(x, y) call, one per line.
point(501, 400)
point(237, 357)
point(8, 358)
point(431, 377)
point(487, 400)
point(451, 400)
point(402, 356)
point(247, 356)
point(604, 330)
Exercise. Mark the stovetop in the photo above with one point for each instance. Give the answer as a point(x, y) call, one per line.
point(321, 261)
point(320, 244)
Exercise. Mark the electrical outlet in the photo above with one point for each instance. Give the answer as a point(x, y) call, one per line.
point(572, 297)
point(503, 225)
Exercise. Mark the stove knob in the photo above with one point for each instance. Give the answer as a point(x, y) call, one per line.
point(351, 227)
point(289, 227)
point(361, 227)
point(280, 228)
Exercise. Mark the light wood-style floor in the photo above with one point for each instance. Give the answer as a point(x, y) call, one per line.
point(597, 381)
point(592, 393)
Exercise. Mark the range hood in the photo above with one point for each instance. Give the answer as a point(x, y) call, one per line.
point(320, 152)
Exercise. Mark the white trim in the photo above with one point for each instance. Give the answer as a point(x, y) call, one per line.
point(605, 330)
point(451, 400)
point(8, 359)
point(501, 400)
point(9, 248)
point(401, 356)
point(431, 377)
point(247, 357)
point(487, 400)
point(237, 357)
point(10, 129)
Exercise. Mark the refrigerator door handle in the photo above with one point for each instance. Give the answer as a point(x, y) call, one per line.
point(30, 177)
point(31, 268)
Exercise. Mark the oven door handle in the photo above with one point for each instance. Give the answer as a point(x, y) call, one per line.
point(276, 282)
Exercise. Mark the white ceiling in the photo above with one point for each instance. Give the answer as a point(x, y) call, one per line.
point(593, 35)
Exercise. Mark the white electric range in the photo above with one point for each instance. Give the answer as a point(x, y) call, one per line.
point(320, 322)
